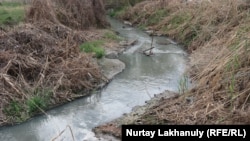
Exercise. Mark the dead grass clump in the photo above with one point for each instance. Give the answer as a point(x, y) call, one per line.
point(40, 10)
point(6, 42)
point(32, 40)
point(75, 14)
point(36, 50)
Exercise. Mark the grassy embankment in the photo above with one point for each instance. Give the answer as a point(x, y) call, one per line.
point(43, 55)
point(217, 35)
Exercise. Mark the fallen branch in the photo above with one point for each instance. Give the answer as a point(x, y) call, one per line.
point(150, 51)
point(71, 132)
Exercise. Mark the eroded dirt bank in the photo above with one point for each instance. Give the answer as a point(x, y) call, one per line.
point(216, 33)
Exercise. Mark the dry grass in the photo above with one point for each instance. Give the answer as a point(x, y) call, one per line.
point(75, 14)
point(217, 34)
point(42, 58)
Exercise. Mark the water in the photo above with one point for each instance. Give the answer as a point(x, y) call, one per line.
point(143, 77)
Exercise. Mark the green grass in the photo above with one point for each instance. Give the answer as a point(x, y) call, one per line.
point(142, 26)
point(35, 103)
point(11, 13)
point(157, 16)
point(14, 108)
point(15, 111)
point(95, 47)
point(11, 4)
point(19, 111)
point(40, 100)
point(112, 36)
point(117, 12)
point(177, 20)
point(183, 85)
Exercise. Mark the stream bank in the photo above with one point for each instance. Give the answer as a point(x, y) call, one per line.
point(219, 61)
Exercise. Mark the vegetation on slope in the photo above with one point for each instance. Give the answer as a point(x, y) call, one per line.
point(41, 64)
point(216, 33)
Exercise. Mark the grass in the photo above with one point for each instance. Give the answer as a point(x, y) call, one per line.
point(14, 108)
point(142, 26)
point(218, 32)
point(178, 19)
point(111, 36)
point(20, 111)
point(11, 13)
point(40, 100)
point(34, 104)
point(183, 85)
point(157, 16)
point(117, 12)
point(95, 47)
point(16, 111)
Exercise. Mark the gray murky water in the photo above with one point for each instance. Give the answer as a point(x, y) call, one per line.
point(143, 77)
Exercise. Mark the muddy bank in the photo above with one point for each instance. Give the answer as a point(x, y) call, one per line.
point(113, 128)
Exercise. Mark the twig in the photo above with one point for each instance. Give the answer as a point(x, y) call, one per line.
point(71, 132)
point(151, 46)
point(152, 38)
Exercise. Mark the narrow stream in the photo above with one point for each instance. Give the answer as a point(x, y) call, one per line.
point(143, 77)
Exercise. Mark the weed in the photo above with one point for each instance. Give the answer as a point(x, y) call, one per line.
point(39, 100)
point(183, 85)
point(142, 26)
point(112, 12)
point(177, 20)
point(232, 86)
point(232, 90)
point(112, 36)
point(13, 109)
point(117, 12)
point(99, 52)
point(189, 37)
point(233, 64)
point(43, 92)
point(36, 102)
point(94, 46)
point(157, 16)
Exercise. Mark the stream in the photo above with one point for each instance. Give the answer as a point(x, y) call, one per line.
point(143, 77)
